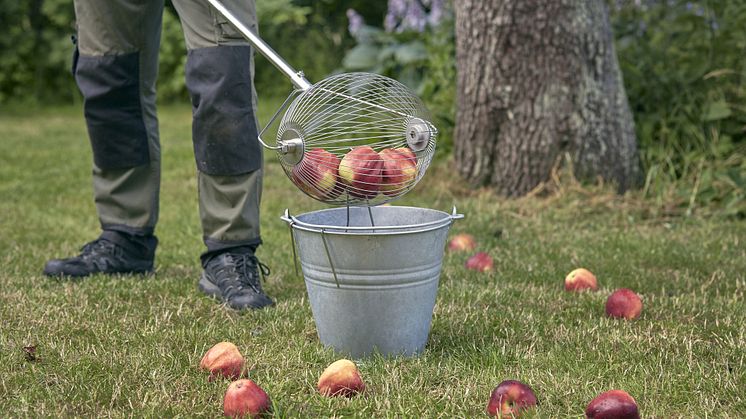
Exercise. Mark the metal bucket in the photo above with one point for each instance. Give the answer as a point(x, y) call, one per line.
point(372, 275)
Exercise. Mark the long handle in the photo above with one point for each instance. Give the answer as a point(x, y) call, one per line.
point(296, 77)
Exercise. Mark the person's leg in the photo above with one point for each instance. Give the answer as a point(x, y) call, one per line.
point(219, 77)
point(115, 67)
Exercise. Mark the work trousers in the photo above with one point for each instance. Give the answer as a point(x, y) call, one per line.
point(115, 67)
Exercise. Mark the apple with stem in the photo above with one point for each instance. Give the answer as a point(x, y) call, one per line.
point(510, 398)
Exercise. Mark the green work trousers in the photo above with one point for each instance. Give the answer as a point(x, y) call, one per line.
point(116, 65)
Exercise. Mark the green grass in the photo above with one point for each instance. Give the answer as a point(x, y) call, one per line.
point(130, 346)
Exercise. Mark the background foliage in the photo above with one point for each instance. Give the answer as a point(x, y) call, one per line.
point(682, 62)
point(684, 71)
point(36, 47)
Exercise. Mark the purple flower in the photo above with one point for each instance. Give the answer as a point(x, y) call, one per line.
point(356, 21)
point(437, 11)
point(396, 10)
point(414, 15)
point(415, 18)
point(398, 7)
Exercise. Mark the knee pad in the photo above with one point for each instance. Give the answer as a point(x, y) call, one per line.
point(224, 127)
point(110, 86)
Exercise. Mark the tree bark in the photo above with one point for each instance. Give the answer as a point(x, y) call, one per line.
point(538, 79)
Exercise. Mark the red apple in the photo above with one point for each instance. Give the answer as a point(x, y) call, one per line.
point(624, 303)
point(408, 154)
point(510, 398)
point(580, 279)
point(361, 170)
point(245, 398)
point(399, 170)
point(481, 262)
point(462, 242)
point(613, 404)
point(341, 378)
point(223, 359)
point(317, 174)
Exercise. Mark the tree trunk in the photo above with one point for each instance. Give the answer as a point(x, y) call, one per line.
point(538, 80)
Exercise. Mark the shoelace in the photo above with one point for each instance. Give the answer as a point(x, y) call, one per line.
point(243, 266)
point(246, 265)
point(99, 246)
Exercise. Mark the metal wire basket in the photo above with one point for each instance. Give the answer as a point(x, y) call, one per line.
point(366, 140)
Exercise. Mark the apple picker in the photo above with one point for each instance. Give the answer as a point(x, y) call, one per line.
point(351, 139)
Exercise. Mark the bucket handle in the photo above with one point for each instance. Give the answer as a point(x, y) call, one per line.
point(329, 256)
point(292, 240)
point(315, 227)
point(455, 214)
point(290, 220)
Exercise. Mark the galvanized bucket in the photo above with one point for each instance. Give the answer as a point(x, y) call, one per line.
point(372, 275)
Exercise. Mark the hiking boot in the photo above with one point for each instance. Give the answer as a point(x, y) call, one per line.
point(106, 255)
point(234, 279)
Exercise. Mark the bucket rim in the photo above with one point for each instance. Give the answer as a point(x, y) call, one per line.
point(448, 219)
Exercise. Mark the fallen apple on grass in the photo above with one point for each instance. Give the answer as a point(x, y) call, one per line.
point(399, 170)
point(223, 359)
point(462, 242)
point(510, 398)
point(481, 262)
point(318, 173)
point(624, 303)
point(581, 279)
point(361, 170)
point(245, 398)
point(341, 378)
point(613, 404)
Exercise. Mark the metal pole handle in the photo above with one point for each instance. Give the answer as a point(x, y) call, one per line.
point(296, 77)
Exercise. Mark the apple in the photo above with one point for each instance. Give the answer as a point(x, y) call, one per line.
point(408, 154)
point(223, 359)
point(613, 404)
point(361, 170)
point(317, 174)
point(245, 398)
point(399, 170)
point(341, 378)
point(510, 398)
point(624, 303)
point(481, 262)
point(462, 242)
point(580, 279)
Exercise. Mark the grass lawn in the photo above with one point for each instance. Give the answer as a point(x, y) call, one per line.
point(130, 346)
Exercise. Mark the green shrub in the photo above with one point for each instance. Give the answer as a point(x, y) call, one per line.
point(684, 71)
point(36, 50)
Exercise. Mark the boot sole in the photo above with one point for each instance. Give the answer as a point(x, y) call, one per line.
point(57, 274)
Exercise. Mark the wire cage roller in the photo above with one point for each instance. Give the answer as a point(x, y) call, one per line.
point(366, 140)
